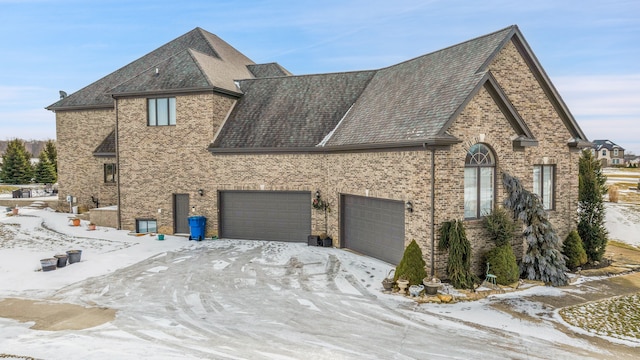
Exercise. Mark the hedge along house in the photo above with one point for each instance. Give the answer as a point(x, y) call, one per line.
point(196, 128)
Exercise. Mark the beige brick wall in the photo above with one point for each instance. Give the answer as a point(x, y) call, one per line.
point(534, 107)
point(157, 162)
point(80, 174)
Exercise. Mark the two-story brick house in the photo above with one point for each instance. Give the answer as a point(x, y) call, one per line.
point(609, 153)
point(196, 128)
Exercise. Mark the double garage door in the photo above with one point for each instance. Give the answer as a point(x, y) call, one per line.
point(371, 226)
point(265, 215)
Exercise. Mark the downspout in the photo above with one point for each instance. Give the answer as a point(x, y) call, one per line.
point(433, 212)
point(118, 213)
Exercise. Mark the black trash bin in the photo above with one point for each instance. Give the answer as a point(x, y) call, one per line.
point(196, 227)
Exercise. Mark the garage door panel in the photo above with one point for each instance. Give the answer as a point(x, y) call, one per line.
point(264, 215)
point(374, 227)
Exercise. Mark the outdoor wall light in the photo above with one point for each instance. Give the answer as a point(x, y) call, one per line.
point(317, 194)
point(201, 192)
point(409, 206)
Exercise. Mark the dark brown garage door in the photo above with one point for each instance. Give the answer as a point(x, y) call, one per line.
point(265, 215)
point(373, 227)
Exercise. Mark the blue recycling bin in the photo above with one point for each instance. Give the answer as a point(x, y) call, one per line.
point(196, 227)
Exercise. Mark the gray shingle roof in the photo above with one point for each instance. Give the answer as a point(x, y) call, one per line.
point(107, 147)
point(415, 99)
point(411, 101)
point(294, 111)
point(231, 65)
point(268, 70)
point(607, 144)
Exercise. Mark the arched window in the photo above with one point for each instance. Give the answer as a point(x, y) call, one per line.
point(479, 175)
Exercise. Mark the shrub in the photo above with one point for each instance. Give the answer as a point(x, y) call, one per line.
point(454, 239)
point(502, 260)
point(574, 251)
point(411, 266)
point(500, 226)
point(503, 264)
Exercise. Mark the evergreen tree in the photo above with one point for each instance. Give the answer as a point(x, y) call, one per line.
point(591, 211)
point(45, 173)
point(454, 239)
point(16, 164)
point(52, 154)
point(543, 259)
point(411, 266)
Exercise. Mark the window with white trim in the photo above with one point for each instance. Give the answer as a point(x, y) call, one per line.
point(544, 184)
point(615, 152)
point(161, 111)
point(479, 175)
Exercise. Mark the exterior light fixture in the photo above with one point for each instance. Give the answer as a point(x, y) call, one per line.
point(409, 206)
point(201, 192)
point(317, 194)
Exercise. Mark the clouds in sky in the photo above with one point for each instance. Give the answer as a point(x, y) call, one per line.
point(588, 48)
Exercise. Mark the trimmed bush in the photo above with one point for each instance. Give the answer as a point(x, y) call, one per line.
point(503, 264)
point(574, 250)
point(411, 266)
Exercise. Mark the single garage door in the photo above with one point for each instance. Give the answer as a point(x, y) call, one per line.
point(373, 227)
point(265, 215)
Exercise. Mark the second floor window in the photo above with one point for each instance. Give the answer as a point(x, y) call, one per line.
point(604, 152)
point(161, 111)
point(110, 175)
point(544, 184)
point(615, 152)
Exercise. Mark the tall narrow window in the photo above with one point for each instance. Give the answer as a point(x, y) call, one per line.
point(615, 152)
point(544, 184)
point(161, 111)
point(110, 175)
point(479, 179)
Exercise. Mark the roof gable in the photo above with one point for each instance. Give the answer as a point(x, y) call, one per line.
point(579, 139)
point(98, 94)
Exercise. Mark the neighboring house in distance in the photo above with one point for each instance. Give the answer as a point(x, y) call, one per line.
point(608, 152)
point(631, 160)
point(197, 128)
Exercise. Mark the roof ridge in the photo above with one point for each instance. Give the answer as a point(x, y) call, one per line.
point(310, 75)
point(511, 27)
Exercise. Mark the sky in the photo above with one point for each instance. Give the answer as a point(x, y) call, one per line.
point(588, 48)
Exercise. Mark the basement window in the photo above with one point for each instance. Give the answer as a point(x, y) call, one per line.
point(161, 111)
point(144, 226)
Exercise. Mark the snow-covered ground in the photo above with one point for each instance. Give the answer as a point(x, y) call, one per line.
point(236, 299)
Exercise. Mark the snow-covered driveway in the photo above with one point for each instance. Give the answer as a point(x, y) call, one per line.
point(235, 299)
